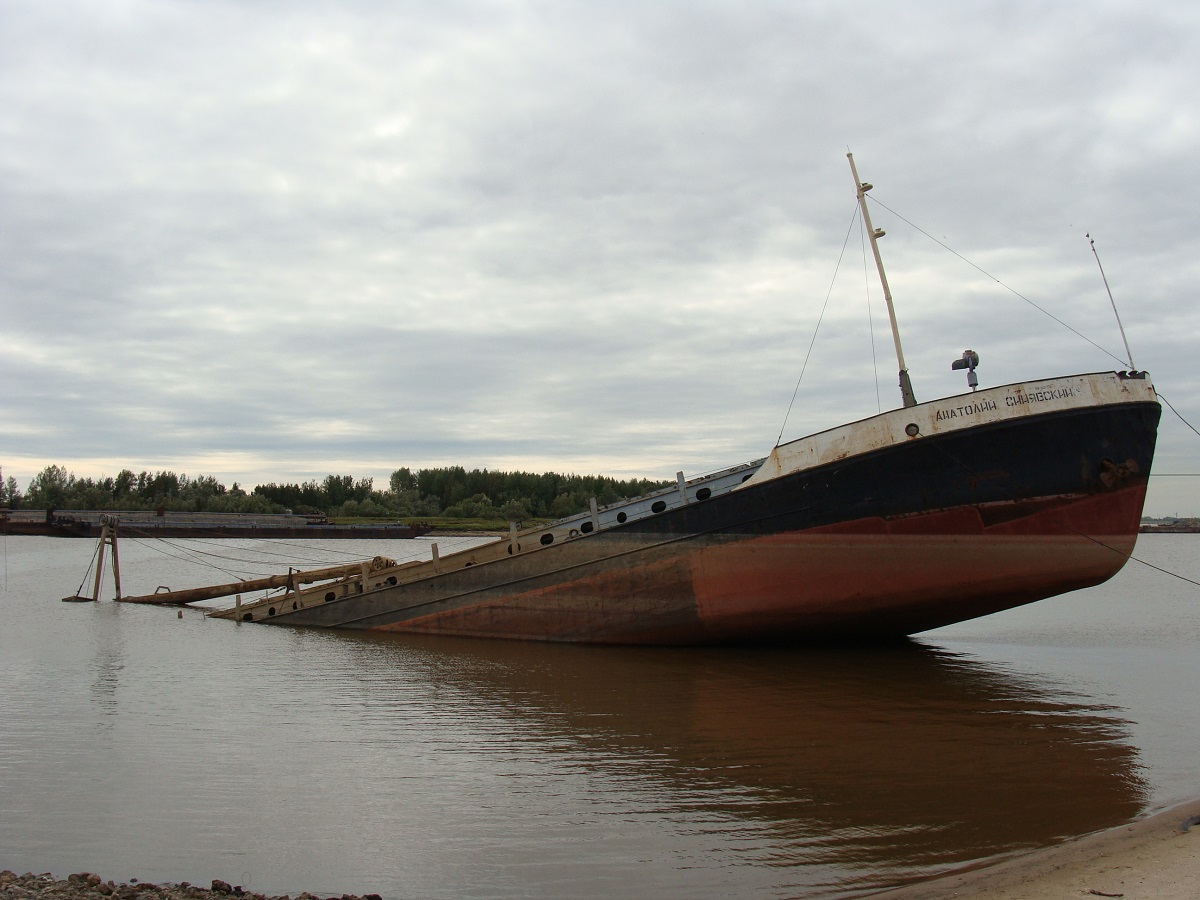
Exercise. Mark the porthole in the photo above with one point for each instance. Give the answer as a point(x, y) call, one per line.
point(703, 494)
point(392, 580)
point(330, 597)
point(247, 617)
point(271, 611)
point(621, 517)
point(659, 506)
point(586, 527)
point(912, 429)
point(547, 539)
point(747, 476)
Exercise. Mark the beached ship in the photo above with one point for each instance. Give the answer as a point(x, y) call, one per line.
point(909, 520)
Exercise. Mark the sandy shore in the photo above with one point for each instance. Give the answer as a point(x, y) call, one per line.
point(1150, 859)
point(1156, 858)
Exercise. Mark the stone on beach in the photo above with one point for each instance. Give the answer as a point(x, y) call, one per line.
point(89, 886)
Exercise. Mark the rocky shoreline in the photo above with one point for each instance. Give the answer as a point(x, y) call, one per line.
point(88, 886)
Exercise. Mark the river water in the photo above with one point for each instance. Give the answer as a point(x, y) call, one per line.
point(137, 743)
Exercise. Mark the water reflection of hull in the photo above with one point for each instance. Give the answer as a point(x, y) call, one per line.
point(854, 770)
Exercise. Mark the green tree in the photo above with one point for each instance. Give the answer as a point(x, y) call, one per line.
point(51, 487)
point(478, 506)
point(564, 505)
point(516, 510)
point(402, 480)
point(124, 484)
point(338, 489)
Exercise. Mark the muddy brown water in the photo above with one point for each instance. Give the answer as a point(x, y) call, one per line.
point(135, 743)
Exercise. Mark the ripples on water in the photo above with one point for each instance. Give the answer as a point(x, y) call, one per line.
point(135, 743)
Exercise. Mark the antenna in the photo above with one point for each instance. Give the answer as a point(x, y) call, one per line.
point(1128, 354)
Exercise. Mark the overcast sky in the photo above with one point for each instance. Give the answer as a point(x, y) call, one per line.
point(270, 241)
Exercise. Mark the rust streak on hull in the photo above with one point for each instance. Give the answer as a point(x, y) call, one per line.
point(862, 579)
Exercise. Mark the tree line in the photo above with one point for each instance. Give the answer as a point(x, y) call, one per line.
point(451, 491)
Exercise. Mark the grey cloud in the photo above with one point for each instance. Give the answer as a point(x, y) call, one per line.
point(284, 239)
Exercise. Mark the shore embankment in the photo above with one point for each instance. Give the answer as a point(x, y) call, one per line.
point(1154, 858)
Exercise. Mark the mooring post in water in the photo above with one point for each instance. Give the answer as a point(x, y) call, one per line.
point(116, 562)
point(100, 563)
point(108, 537)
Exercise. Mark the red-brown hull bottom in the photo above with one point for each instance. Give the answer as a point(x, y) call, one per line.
point(862, 579)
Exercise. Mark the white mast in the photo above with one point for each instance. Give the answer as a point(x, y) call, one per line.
point(906, 391)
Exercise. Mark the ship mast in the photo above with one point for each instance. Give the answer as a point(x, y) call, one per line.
point(906, 391)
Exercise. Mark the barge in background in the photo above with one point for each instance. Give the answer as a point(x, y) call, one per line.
point(909, 520)
point(151, 524)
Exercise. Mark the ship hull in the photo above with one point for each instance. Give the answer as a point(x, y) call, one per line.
point(893, 540)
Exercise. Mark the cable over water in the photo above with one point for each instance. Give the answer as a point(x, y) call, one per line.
point(1174, 410)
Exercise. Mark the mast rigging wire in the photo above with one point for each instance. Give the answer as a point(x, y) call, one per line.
point(179, 555)
point(321, 557)
point(1012, 290)
point(820, 318)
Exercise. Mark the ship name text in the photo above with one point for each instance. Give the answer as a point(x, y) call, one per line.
point(1040, 396)
point(980, 406)
point(1012, 401)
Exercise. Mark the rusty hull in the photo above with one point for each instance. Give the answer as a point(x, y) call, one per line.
point(877, 545)
point(863, 580)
